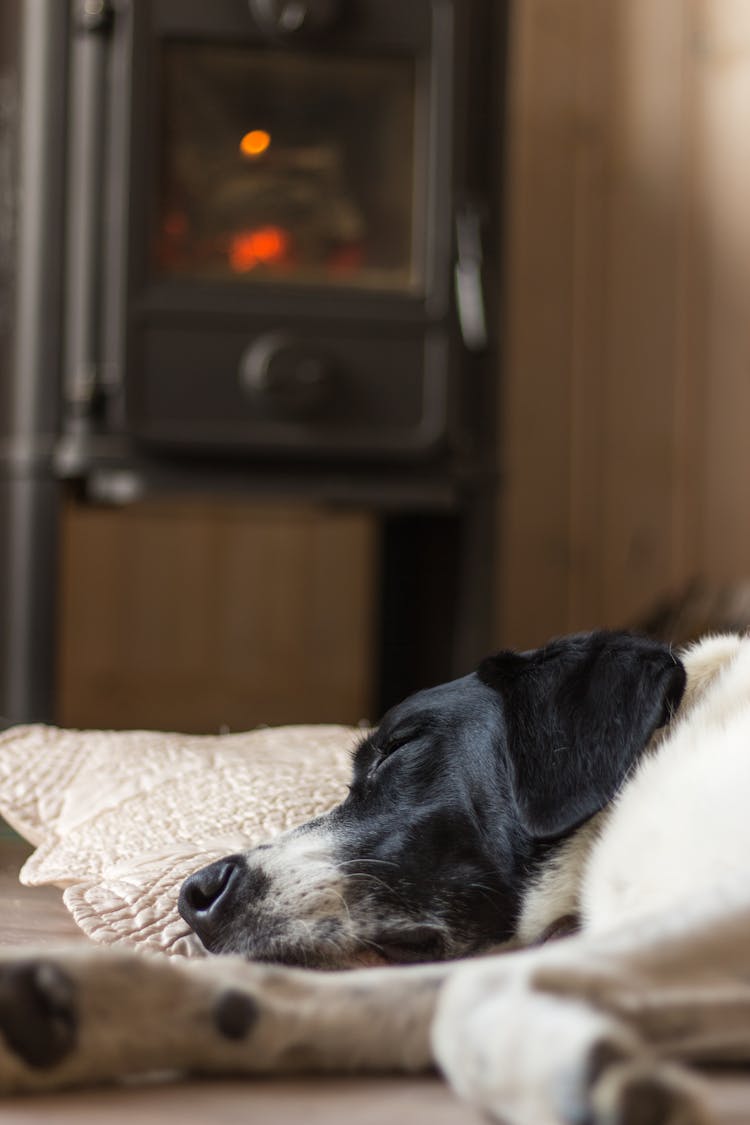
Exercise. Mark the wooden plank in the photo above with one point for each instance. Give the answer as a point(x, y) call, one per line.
point(628, 298)
point(197, 615)
point(690, 356)
point(592, 171)
point(30, 915)
point(723, 47)
point(280, 1101)
point(643, 263)
point(533, 581)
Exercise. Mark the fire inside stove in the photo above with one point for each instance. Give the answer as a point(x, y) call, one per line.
point(287, 167)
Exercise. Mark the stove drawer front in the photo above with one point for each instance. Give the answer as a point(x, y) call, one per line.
point(303, 391)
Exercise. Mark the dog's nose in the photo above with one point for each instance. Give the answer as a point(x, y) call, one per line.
point(206, 895)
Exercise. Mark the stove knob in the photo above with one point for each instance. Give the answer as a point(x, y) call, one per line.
point(285, 376)
point(285, 18)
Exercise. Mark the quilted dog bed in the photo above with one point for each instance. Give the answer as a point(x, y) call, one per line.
point(120, 818)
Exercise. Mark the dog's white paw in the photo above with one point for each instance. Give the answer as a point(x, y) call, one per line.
point(529, 1057)
point(524, 1056)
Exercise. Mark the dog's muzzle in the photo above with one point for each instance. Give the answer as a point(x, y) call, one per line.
point(210, 898)
point(291, 902)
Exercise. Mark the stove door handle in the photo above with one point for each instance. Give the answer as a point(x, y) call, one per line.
point(470, 303)
point(85, 217)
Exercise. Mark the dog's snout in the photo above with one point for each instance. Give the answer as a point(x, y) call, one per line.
point(202, 891)
point(209, 898)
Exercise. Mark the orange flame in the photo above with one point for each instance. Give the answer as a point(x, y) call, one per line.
point(255, 143)
point(248, 248)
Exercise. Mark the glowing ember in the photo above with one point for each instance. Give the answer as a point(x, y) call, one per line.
point(249, 248)
point(255, 143)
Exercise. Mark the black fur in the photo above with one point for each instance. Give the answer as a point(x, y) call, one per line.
point(578, 713)
point(461, 793)
point(236, 1014)
point(37, 1012)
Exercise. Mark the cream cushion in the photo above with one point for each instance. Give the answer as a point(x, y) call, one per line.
point(120, 818)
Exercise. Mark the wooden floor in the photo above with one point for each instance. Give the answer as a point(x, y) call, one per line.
point(37, 916)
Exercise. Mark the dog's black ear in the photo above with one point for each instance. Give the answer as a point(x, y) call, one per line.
point(578, 713)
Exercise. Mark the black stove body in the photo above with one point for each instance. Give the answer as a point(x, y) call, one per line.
point(249, 240)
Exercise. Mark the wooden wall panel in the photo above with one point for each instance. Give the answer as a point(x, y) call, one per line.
point(198, 615)
point(541, 244)
point(627, 379)
point(723, 48)
point(645, 158)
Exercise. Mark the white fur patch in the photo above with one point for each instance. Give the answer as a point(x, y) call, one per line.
point(681, 826)
point(316, 902)
point(303, 877)
point(556, 889)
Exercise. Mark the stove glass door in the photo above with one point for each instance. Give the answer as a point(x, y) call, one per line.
point(287, 167)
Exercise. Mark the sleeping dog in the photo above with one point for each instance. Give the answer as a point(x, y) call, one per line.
point(599, 783)
point(452, 838)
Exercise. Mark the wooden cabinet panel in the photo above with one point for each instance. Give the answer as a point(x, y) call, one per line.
point(198, 615)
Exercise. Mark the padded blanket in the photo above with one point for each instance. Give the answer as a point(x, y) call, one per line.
point(120, 818)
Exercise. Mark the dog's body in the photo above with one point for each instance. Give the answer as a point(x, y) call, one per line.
point(549, 785)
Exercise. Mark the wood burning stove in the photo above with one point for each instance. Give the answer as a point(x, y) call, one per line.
point(272, 274)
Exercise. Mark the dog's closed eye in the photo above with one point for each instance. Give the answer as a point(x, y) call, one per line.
point(395, 742)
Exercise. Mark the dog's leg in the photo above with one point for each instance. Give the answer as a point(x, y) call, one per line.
point(89, 1016)
point(597, 1029)
point(530, 1057)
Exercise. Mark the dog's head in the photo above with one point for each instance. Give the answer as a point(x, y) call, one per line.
point(456, 799)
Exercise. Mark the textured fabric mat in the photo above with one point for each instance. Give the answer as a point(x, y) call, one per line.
point(120, 818)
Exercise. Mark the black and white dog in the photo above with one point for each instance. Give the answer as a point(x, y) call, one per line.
point(600, 784)
point(461, 801)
